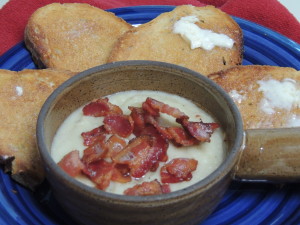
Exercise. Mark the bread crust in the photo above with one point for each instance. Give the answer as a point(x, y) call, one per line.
point(156, 40)
point(22, 95)
point(72, 36)
point(243, 80)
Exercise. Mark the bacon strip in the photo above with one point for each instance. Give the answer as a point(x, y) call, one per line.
point(143, 127)
point(137, 114)
point(146, 106)
point(100, 172)
point(121, 125)
point(162, 130)
point(90, 137)
point(199, 130)
point(181, 137)
point(196, 131)
point(114, 145)
point(94, 152)
point(148, 188)
point(121, 174)
point(159, 142)
point(178, 170)
point(71, 163)
point(152, 105)
point(101, 107)
point(130, 151)
point(138, 155)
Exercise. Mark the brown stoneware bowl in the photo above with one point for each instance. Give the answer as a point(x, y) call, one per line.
point(89, 205)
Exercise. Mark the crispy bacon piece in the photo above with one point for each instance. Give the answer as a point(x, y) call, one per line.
point(145, 160)
point(181, 137)
point(133, 147)
point(199, 130)
point(90, 137)
point(178, 170)
point(162, 130)
point(137, 114)
point(121, 125)
point(151, 105)
point(71, 163)
point(100, 172)
point(138, 155)
point(178, 135)
point(159, 142)
point(165, 188)
point(101, 107)
point(121, 173)
point(146, 124)
point(114, 145)
point(142, 119)
point(148, 188)
point(94, 152)
point(146, 106)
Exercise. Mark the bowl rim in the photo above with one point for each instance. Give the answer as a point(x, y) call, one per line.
point(225, 167)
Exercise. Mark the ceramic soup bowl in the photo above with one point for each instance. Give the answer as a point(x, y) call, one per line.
point(191, 205)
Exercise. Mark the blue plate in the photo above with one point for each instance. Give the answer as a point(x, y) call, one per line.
point(243, 203)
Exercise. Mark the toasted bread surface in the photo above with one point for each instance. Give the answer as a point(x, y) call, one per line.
point(243, 83)
point(156, 40)
point(72, 36)
point(22, 95)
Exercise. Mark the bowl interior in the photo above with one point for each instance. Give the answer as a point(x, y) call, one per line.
point(139, 75)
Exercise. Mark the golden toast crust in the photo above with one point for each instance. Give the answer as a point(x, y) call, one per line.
point(243, 80)
point(156, 40)
point(72, 36)
point(22, 95)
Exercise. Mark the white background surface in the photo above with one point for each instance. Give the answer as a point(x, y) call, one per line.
point(292, 5)
point(3, 2)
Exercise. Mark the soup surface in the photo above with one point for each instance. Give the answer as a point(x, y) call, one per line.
point(209, 155)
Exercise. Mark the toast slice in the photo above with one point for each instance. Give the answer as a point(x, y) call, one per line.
point(22, 95)
point(267, 96)
point(72, 36)
point(156, 40)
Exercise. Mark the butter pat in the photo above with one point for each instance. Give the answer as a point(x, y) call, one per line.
point(198, 37)
point(293, 121)
point(19, 90)
point(236, 96)
point(283, 94)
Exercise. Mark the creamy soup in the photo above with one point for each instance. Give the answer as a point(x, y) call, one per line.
point(209, 155)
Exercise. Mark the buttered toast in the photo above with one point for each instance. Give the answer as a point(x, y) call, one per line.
point(157, 40)
point(72, 36)
point(22, 95)
point(267, 96)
